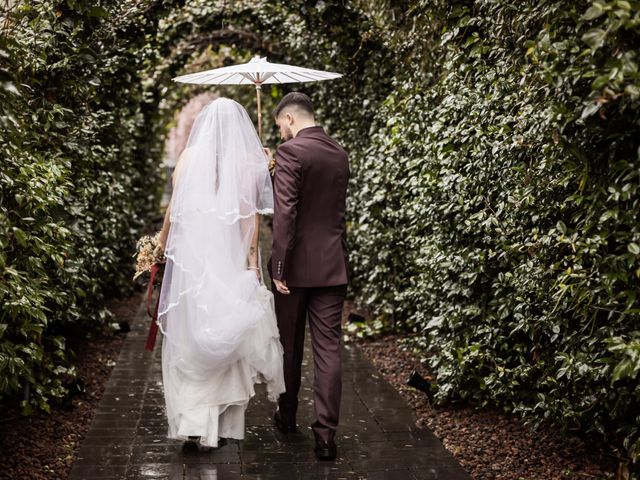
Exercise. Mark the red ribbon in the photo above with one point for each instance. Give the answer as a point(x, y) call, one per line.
point(153, 328)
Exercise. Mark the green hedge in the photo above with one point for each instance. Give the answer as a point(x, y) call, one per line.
point(499, 219)
point(78, 180)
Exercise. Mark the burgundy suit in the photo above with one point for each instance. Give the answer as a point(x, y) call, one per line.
point(310, 255)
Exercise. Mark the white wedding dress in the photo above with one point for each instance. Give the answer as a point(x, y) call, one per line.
point(218, 320)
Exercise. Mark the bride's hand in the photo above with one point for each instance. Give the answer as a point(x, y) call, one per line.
point(272, 162)
point(158, 252)
point(257, 272)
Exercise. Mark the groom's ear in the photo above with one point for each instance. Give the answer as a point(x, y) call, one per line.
point(289, 118)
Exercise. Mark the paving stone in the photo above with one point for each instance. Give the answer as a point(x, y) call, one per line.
point(89, 472)
point(402, 474)
point(102, 460)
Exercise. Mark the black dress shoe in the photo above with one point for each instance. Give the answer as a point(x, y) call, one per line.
point(190, 445)
point(282, 425)
point(326, 450)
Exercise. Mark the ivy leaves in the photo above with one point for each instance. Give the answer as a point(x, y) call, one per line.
point(72, 202)
point(498, 214)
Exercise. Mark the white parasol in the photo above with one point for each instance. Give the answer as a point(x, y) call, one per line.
point(258, 72)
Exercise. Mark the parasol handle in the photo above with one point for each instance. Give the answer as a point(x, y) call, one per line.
point(258, 92)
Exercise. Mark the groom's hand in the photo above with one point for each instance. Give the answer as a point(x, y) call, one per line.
point(281, 286)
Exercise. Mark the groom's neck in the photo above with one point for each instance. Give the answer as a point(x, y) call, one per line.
point(306, 124)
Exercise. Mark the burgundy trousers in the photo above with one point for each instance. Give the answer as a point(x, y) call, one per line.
point(323, 306)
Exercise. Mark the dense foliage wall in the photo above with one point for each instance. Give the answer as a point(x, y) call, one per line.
point(499, 214)
point(78, 179)
point(494, 201)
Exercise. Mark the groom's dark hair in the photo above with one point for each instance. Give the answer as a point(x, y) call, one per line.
point(296, 100)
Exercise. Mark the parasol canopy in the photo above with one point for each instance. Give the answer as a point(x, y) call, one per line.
point(258, 71)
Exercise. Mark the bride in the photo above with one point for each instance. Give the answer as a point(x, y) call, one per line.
point(217, 317)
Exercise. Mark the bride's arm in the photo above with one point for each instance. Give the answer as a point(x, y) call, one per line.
point(164, 232)
point(252, 258)
point(166, 224)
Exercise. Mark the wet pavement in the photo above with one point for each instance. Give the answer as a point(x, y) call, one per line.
point(377, 437)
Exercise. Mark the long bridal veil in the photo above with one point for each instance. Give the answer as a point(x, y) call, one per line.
point(220, 334)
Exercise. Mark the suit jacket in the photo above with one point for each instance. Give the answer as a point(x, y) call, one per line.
point(309, 231)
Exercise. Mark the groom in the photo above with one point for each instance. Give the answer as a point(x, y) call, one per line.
point(309, 263)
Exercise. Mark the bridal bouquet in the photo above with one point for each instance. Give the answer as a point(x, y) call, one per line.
point(146, 256)
point(148, 260)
